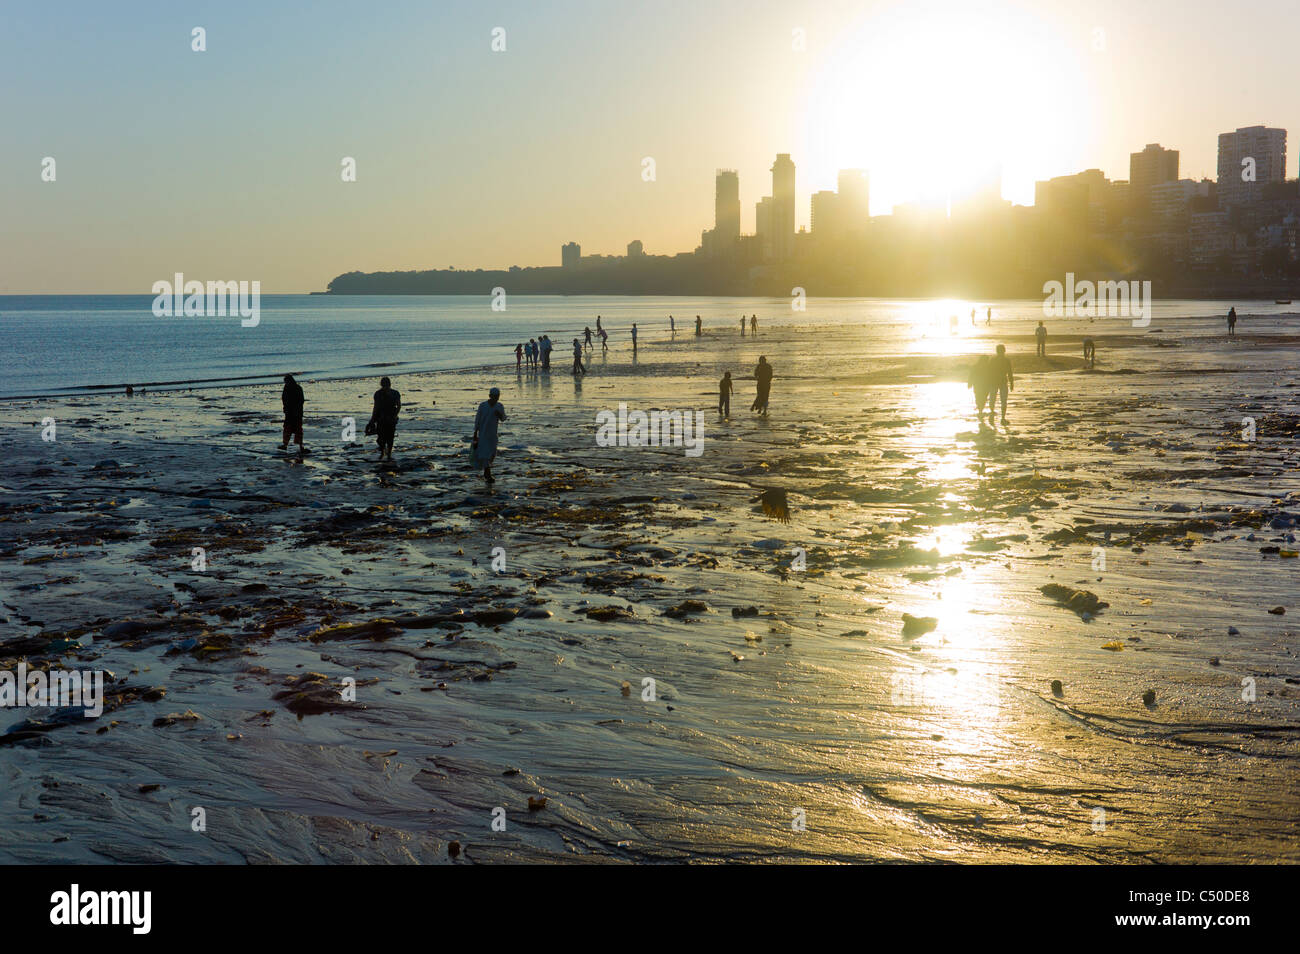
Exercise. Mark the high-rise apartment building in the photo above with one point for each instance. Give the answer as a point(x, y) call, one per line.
point(1249, 159)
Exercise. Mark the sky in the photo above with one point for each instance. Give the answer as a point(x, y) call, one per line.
point(226, 164)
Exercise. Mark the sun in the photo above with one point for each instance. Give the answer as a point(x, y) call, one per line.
point(939, 100)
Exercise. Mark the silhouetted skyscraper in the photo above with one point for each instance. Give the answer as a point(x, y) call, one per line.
point(726, 207)
point(1150, 167)
point(855, 199)
point(827, 215)
point(782, 206)
point(1266, 148)
point(569, 254)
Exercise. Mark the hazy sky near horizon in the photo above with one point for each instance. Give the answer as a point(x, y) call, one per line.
point(225, 164)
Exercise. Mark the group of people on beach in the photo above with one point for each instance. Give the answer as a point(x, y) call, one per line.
point(763, 378)
point(382, 425)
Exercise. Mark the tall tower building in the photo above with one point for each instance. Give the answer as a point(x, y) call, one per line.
point(726, 207)
point(855, 199)
point(782, 207)
point(827, 215)
point(1250, 158)
point(1150, 167)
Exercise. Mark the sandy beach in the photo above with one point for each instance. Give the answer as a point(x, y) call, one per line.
point(792, 713)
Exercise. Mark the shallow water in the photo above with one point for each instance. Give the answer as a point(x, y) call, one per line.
point(949, 745)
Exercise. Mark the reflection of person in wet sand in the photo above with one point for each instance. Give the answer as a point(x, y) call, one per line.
point(484, 445)
point(388, 404)
point(979, 382)
point(763, 375)
point(292, 399)
point(1001, 380)
point(725, 388)
point(1090, 352)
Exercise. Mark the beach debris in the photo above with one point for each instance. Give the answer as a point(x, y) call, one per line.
point(1149, 698)
point(453, 849)
point(312, 693)
point(189, 715)
point(536, 804)
point(153, 695)
point(149, 787)
point(752, 637)
point(376, 629)
point(606, 614)
point(775, 504)
point(1058, 690)
point(494, 617)
point(1233, 631)
point(736, 657)
point(744, 611)
point(1278, 611)
point(687, 608)
point(1114, 645)
point(1083, 602)
point(914, 626)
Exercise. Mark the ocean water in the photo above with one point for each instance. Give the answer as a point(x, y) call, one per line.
point(58, 344)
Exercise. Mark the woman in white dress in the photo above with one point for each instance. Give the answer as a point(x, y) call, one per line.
point(484, 447)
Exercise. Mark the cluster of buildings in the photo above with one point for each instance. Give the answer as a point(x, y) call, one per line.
point(1245, 222)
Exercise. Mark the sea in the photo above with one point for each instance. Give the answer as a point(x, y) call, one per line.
point(69, 344)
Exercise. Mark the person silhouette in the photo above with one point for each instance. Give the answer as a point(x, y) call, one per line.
point(483, 446)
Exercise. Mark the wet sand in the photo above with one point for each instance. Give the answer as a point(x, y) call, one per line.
point(780, 693)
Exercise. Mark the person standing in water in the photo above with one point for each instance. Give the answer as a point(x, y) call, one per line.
point(388, 403)
point(519, 357)
point(292, 399)
point(604, 340)
point(988, 316)
point(979, 382)
point(587, 333)
point(699, 325)
point(1001, 380)
point(598, 329)
point(672, 325)
point(1232, 322)
point(483, 447)
point(577, 358)
point(1090, 352)
point(1040, 333)
point(725, 388)
point(634, 336)
point(545, 346)
point(742, 326)
point(753, 324)
point(763, 375)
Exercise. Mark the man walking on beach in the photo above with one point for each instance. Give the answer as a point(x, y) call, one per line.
point(483, 446)
point(1232, 322)
point(672, 325)
point(753, 325)
point(292, 399)
point(724, 396)
point(1041, 334)
point(577, 358)
point(1090, 352)
point(1001, 380)
point(388, 403)
point(763, 375)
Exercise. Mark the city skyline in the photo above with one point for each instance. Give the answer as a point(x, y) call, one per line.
point(226, 162)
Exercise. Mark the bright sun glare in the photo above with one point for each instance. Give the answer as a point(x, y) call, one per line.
point(935, 112)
